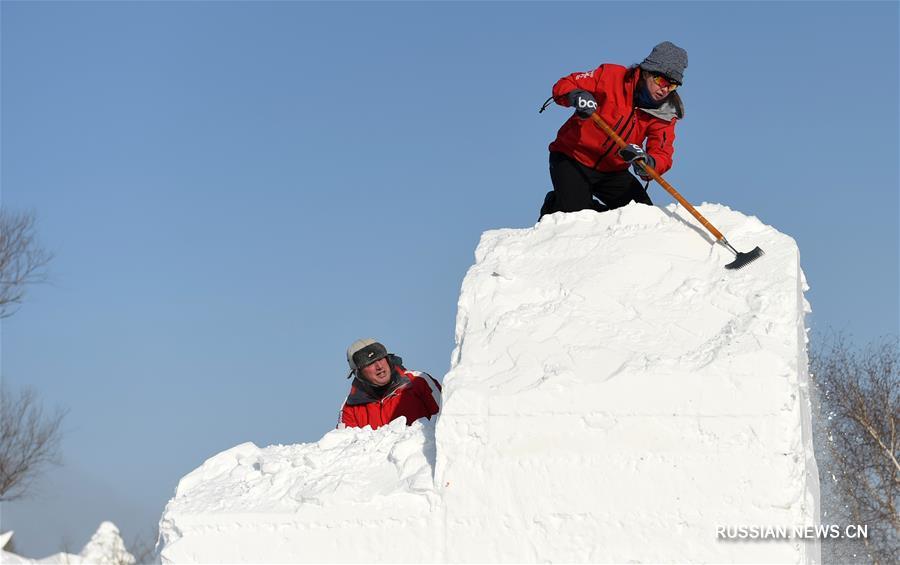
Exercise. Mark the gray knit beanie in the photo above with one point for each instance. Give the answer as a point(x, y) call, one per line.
point(667, 59)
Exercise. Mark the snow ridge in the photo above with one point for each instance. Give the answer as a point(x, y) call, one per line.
point(341, 482)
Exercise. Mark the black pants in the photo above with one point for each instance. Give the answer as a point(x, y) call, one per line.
point(574, 188)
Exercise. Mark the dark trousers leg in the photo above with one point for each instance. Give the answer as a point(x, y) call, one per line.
point(619, 188)
point(571, 187)
point(575, 185)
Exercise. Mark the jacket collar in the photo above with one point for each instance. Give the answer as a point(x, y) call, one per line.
point(362, 392)
point(671, 108)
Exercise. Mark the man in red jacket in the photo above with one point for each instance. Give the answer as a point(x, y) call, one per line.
point(383, 390)
point(641, 105)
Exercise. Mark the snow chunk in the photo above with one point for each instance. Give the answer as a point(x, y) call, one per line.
point(106, 547)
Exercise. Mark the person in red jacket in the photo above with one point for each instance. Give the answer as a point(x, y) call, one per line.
point(641, 105)
point(383, 390)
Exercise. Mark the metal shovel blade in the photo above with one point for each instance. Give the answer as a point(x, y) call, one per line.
point(741, 260)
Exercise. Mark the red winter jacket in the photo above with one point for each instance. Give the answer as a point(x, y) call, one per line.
point(613, 88)
point(409, 393)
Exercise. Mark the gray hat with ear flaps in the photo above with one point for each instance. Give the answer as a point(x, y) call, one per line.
point(667, 59)
point(364, 352)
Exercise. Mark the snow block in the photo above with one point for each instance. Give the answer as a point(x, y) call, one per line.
point(615, 395)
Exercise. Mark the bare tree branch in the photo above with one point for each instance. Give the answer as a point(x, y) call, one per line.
point(143, 549)
point(29, 441)
point(859, 396)
point(22, 259)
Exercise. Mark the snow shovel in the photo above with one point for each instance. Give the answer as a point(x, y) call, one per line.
point(741, 259)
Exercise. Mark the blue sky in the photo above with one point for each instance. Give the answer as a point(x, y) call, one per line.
point(234, 192)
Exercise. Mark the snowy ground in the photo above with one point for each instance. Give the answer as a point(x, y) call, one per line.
point(615, 395)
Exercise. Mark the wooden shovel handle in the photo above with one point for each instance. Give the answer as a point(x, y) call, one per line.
point(655, 176)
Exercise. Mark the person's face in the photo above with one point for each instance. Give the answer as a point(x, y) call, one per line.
point(377, 373)
point(657, 90)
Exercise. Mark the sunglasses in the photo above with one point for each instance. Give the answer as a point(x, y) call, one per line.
point(664, 82)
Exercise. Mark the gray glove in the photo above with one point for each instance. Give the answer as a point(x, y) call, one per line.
point(632, 154)
point(583, 102)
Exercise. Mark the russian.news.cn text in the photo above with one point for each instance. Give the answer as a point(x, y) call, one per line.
point(822, 531)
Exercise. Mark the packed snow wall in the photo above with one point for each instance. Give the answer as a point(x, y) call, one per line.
point(614, 395)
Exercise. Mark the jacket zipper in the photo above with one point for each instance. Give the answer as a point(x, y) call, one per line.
point(626, 134)
point(381, 402)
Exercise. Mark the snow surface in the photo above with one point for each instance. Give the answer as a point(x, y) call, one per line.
point(614, 395)
point(104, 548)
